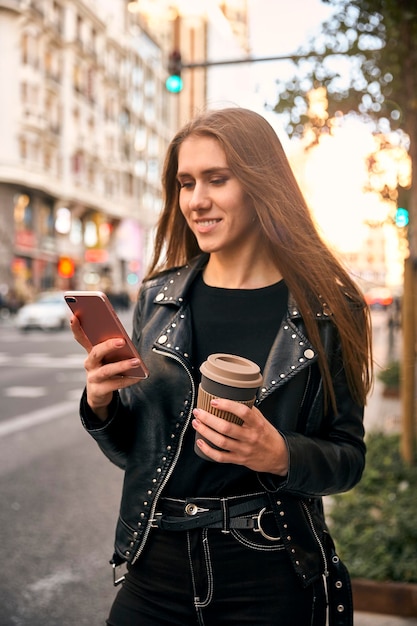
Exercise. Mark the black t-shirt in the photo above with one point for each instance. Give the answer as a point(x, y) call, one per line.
point(237, 321)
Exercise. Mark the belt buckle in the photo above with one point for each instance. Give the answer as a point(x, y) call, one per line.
point(154, 520)
point(117, 579)
point(259, 529)
point(192, 509)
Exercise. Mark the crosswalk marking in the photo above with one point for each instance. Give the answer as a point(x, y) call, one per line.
point(45, 414)
point(70, 361)
point(25, 392)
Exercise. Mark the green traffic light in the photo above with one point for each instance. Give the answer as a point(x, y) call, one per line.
point(173, 83)
point(401, 217)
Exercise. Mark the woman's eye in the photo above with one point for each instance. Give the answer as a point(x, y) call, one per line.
point(218, 181)
point(185, 184)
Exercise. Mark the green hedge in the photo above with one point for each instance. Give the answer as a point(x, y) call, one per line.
point(391, 374)
point(375, 524)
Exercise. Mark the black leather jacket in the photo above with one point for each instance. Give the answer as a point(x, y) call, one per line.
point(148, 421)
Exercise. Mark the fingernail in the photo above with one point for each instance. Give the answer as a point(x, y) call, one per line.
point(119, 342)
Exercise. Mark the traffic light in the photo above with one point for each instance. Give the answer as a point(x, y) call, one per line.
point(174, 81)
point(66, 267)
point(401, 214)
point(401, 217)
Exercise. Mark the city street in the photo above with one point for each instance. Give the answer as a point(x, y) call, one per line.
point(59, 495)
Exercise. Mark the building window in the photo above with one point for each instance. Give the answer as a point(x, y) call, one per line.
point(77, 163)
point(77, 77)
point(58, 16)
point(23, 212)
point(79, 29)
point(24, 93)
point(91, 175)
point(129, 184)
point(91, 84)
point(29, 48)
point(47, 159)
point(23, 148)
point(46, 220)
point(25, 48)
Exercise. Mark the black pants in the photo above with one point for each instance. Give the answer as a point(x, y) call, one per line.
point(204, 577)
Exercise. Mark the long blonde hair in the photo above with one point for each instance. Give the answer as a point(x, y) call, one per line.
point(310, 269)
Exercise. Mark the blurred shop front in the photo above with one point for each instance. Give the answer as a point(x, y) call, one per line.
point(34, 255)
point(47, 244)
point(109, 253)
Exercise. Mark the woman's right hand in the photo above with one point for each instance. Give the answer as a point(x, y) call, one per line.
point(102, 379)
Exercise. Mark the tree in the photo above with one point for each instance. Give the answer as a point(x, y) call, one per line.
point(365, 59)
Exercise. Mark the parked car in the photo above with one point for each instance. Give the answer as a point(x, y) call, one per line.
point(379, 297)
point(49, 311)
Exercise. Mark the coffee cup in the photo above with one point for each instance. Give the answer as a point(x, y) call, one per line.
point(227, 376)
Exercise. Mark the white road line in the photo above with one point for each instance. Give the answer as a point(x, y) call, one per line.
point(25, 392)
point(21, 422)
point(72, 361)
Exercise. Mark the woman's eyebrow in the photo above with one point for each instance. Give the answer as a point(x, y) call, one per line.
point(207, 172)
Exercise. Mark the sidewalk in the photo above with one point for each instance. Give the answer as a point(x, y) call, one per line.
point(382, 414)
point(372, 619)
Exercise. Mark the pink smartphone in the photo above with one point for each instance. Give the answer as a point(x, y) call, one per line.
point(100, 322)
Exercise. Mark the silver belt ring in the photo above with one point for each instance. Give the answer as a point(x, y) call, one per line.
point(261, 530)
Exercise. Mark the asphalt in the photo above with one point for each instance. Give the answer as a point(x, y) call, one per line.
point(380, 414)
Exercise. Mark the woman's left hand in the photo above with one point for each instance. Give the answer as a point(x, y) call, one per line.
point(257, 444)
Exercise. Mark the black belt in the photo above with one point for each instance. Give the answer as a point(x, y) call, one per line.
point(224, 513)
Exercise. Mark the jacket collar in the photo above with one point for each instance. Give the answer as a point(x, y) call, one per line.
point(175, 284)
point(290, 353)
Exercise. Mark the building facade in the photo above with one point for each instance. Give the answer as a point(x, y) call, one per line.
point(84, 121)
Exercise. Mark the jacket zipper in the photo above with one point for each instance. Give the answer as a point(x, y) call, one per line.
point(173, 464)
point(315, 533)
point(323, 554)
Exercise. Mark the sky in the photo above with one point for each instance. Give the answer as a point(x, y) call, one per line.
point(281, 27)
point(276, 28)
point(332, 176)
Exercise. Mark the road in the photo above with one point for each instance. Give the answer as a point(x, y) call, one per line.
point(59, 495)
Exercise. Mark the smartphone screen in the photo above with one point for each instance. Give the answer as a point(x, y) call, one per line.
point(100, 322)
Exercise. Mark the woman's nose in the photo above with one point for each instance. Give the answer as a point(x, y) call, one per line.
point(199, 198)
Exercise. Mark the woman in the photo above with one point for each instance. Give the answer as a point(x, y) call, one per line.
point(240, 268)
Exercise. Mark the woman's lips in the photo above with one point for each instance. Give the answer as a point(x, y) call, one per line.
point(206, 225)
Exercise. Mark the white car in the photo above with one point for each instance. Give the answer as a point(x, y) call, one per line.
point(49, 311)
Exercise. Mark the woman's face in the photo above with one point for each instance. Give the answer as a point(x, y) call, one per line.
point(212, 200)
